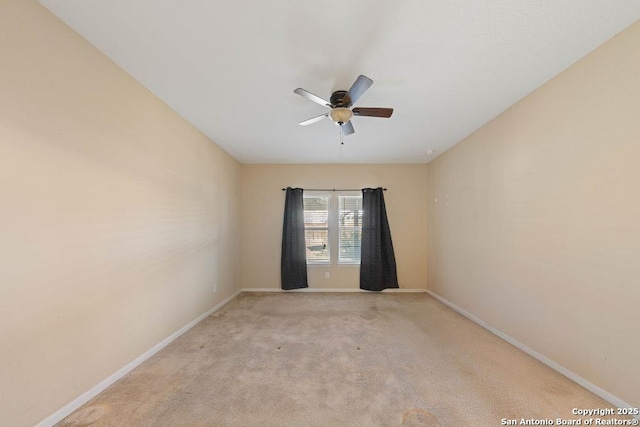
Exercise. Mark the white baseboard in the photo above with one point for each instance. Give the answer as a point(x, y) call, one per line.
point(94, 391)
point(397, 290)
point(619, 403)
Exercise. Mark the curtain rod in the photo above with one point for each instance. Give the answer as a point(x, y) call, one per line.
point(331, 189)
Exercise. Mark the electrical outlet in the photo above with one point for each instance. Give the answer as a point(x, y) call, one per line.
point(327, 275)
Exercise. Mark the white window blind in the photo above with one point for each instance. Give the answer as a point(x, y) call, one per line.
point(349, 229)
point(316, 228)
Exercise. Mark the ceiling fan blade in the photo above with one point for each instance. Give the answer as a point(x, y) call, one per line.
point(312, 97)
point(359, 87)
point(313, 119)
point(372, 112)
point(347, 128)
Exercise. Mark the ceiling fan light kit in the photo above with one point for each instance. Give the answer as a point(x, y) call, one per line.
point(340, 115)
point(341, 103)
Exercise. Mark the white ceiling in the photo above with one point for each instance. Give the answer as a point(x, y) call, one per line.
point(445, 66)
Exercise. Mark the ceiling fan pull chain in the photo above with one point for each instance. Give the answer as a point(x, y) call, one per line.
point(340, 151)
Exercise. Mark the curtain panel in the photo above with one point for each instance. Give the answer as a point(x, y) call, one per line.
point(378, 261)
point(293, 263)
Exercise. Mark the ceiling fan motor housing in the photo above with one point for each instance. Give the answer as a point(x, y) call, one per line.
point(340, 98)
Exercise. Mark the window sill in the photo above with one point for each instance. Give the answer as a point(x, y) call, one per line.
point(330, 264)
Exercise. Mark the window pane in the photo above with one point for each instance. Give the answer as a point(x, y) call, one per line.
point(317, 245)
point(350, 228)
point(316, 211)
point(350, 240)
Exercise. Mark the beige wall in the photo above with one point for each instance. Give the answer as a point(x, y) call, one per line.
point(534, 220)
point(262, 205)
point(117, 217)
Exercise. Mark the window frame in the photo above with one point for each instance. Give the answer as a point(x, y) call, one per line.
point(341, 228)
point(328, 227)
point(333, 227)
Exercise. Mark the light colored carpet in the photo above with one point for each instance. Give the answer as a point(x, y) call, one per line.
point(356, 359)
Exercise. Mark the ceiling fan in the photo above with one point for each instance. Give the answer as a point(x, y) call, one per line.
point(341, 102)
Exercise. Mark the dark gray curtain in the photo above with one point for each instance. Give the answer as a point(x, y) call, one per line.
point(377, 261)
point(293, 264)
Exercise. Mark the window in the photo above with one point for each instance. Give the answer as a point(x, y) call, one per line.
point(316, 228)
point(349, 229)
point(326, 222)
